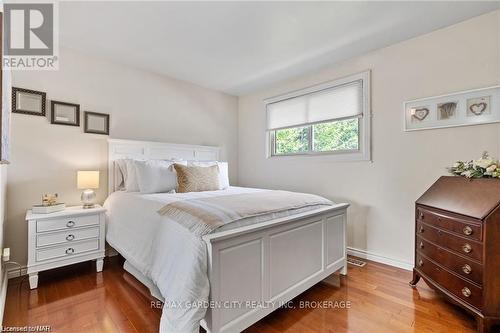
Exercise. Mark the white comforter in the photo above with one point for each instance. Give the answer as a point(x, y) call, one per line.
point(167, 253)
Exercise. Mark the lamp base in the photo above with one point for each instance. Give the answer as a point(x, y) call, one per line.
point(88, 199)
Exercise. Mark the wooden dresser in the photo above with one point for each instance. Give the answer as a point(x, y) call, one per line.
point(457, 244)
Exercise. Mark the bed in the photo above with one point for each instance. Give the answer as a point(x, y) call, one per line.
point(229, 279)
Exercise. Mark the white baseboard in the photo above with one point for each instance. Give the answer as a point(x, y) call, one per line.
point(3, 293)
point(13, 272)
point(379, 258)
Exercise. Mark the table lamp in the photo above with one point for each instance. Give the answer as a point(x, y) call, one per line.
point(88, 181)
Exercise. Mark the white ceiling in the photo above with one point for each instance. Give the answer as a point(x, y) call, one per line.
point(238, 47)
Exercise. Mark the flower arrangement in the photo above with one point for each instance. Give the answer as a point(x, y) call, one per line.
point(485, 167)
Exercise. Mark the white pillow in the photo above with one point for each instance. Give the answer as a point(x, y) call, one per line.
point(120, 171)
point(156, 176)
point(223, 171)
point(130, 176)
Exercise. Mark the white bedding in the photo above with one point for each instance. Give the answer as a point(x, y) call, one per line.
point(167, 253)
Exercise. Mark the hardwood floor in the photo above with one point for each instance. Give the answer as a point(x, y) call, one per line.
point(76, 299)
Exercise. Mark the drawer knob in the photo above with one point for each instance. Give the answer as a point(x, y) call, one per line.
point(421, 229)
point(467, 269)
point(466, 292)
point(70, 224)
point(421, 215)
point(421, 245)
point(467, 248)
point(70, 237)
point(467, 231)
point(70, 250)
point(420, 263)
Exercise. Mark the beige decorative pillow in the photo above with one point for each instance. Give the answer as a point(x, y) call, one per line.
point(197, 179)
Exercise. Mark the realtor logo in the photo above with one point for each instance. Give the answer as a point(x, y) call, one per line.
point(30, 36)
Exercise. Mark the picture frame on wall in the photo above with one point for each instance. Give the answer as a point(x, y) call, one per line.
point(27, 101)
point(96, 123)
point(63, 113)
point(464, 108)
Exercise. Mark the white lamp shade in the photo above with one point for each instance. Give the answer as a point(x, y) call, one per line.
point(88, 179)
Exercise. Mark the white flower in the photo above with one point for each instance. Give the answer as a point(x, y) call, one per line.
point(483, 163)
point(456, 165)
point(491, 168)
point(467, 173)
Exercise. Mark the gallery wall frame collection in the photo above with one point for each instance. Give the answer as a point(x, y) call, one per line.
point(97, 123)
point(27, 101)
point(63, 113)
point(33, 102)
point(464, 108)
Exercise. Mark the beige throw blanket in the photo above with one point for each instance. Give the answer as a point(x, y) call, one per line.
point(202, 216)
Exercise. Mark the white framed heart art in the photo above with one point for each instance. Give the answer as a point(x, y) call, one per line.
point(471, 107)
point(478, 106)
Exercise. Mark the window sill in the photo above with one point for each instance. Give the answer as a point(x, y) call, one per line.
point(330, 156)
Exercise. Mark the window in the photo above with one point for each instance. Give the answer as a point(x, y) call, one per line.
point(329, 118)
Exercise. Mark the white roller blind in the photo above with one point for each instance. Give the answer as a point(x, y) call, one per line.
point(328, 104)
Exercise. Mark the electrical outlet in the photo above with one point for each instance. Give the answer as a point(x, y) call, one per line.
point(6, 254)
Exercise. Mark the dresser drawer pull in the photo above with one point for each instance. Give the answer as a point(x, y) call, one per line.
point(467, 269)
point(467, 248)
point(70, 224)
point(420, 263)
point(467, 231)
point(466, 292)
point(421, 245)
point(421, 229)
point(70, 237)
point(70, 250)
point(421, 215)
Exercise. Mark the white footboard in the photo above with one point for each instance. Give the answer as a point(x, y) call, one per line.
point(254, 270)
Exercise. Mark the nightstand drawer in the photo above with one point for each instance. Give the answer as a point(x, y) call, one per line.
point(66, 223)
point(67, 250)
point(66, 236)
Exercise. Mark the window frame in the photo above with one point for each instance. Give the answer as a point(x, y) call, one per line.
point(363, 153)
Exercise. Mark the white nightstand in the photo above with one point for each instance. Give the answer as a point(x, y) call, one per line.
point(64, 238)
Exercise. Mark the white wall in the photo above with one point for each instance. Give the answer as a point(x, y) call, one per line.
point(3, 277)
point(142, 105)
point(382, 193)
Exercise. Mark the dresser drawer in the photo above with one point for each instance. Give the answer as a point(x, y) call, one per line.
point(466, 227)
point(69, 236)
point(467, 247)
point(67, 250)
point(466, 268)
point(466, 291)
point(66, 223)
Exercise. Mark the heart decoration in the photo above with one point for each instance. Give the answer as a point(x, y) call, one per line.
point(420, 114)
point(478, 108)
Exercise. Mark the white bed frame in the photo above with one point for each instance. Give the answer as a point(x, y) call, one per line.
point(261, 266)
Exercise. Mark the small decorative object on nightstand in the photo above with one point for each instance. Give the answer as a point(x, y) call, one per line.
point(88, 181)
point(49, 205)
point(64, 238)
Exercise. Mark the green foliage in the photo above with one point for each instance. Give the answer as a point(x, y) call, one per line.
point(484, 167)
point(291, 140)
point(337, 135)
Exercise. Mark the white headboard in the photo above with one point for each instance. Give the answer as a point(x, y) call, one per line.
point(148, 150)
